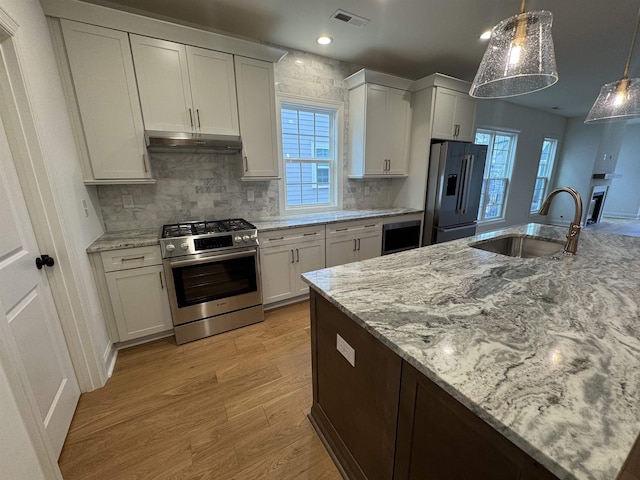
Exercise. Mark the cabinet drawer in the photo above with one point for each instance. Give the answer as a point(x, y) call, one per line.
point(131, 258)
point(291, 235)
point(360, 226)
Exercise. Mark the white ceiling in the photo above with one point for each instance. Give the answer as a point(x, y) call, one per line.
point(414, 38)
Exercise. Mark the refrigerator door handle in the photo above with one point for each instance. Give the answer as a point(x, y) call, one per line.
point(461, 188)
point(466, 183)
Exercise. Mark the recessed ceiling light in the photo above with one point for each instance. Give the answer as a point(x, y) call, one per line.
point(324, 39)
point(486, 35)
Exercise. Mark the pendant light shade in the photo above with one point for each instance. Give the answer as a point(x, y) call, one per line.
point(618, 100)
point(519, 58)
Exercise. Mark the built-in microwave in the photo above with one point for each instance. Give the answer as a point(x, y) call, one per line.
point(400, 236)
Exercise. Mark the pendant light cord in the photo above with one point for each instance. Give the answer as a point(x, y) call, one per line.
point(633, 42)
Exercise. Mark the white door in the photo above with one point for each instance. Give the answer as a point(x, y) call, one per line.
point(369, 245)
point(31, 327)
point(341, 250)
point(276, 264)
point(399, 126)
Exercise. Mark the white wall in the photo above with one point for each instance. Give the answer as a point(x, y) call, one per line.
point(56, 143)
point(532, 127)
point(623, 198)
point(587, 149)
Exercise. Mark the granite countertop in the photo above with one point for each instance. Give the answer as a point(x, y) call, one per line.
point(546, 350)
point(125, 239)
point(146, 237)
point(309, 219)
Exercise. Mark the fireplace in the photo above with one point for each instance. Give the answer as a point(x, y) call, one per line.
point(596, 204)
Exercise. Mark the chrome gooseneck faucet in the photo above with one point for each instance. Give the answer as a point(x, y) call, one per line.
point(571, 247)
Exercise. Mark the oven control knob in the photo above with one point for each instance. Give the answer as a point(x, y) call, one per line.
point(254, 236)
point(245, 238)
point(170, 248)
point(238, 239)
point(184, 246)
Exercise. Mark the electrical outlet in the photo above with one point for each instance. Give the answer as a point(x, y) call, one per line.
point(346, 350)
point(250, 196)
point(85, 207)
point(127, 201)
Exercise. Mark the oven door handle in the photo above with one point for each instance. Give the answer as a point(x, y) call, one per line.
point(214, 257)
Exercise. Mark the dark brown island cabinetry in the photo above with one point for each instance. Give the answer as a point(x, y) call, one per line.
point(381, 419)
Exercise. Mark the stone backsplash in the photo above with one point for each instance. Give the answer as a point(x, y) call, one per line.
point(200, 187)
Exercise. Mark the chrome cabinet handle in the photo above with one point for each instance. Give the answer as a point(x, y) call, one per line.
point(144, 163)
point(198, 115)
point(246, 164)
point(277, 238)
point(354, 244)
point(341, 229)
point(358, 244)
point(191, 118)
point(370, 225)
point(456, 130)
point(309, 234)
point(161, 282)
point(297, 256)
point(292, 257)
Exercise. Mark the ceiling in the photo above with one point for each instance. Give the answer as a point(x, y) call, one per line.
point(414, 38)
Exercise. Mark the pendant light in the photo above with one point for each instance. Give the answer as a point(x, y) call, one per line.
point(519, 58)
point(618, 100)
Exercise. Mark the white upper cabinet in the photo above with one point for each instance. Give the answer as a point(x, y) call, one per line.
point(453, 115)
point(213, 89)
point(258, 119)
point(107, 100)
point(183, 88)
point(380, 124)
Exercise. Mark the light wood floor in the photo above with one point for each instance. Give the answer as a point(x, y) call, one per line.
point(232, 406)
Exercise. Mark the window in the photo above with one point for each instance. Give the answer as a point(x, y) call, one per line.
point(497, 172)
point(310, 152)
point(545, 169)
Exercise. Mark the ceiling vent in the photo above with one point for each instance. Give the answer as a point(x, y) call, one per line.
point(350, 18)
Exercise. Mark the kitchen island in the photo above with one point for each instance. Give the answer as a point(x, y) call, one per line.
point(534, 364)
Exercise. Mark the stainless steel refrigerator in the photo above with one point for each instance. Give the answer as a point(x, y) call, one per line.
point(454, 186)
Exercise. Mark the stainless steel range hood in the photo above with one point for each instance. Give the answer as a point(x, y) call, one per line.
point(192, 142)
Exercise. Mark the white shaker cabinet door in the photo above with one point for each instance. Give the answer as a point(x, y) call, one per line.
point(399, 129)
point(341, 249)
point(163, 83)
point(465, 115)
point(105, 86)
point(277, 267)
point(257, 114)
point(369, 245)
point(309, 256)
point(140, 301)
point(444, 114)
point(376, 130)
point(213, 89)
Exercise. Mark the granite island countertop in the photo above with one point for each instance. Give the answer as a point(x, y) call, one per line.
point(145, 237)
point(546, 350)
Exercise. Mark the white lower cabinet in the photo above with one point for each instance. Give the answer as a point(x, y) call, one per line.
point(353, 241)
point(140, 302)
point(133, 290)
point(284, 256)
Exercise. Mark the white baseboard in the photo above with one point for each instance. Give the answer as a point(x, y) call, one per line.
point(288, 301)
point(109, 358)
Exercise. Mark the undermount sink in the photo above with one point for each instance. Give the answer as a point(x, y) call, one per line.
point(519, 246)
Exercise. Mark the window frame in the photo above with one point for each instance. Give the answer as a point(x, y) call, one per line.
point(513, 144)
point(337, 143)
point(549, 172)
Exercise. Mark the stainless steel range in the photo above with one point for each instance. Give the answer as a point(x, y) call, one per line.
point(213, 273)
